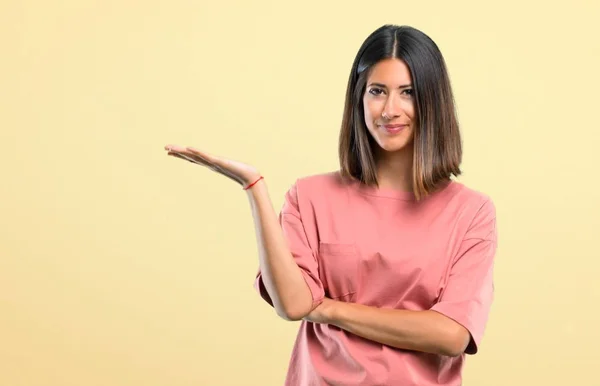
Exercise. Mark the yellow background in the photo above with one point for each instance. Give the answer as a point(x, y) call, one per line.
point(122, 266)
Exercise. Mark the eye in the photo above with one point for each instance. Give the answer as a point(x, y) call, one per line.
point(408, 91)
point(375, 91)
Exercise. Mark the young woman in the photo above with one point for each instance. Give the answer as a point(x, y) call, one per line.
point(388, 262)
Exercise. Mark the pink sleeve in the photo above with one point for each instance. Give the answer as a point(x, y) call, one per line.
point(295, 233)
point(469, 291)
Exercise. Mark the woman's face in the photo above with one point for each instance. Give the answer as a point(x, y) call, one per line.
point(389, 105)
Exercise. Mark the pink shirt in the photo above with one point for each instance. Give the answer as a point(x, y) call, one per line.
point(382, 248)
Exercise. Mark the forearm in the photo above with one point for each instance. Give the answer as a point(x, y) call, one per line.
point(425, 331)
point(281, 275)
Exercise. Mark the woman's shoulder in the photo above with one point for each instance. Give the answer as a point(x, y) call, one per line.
point(310, 192)
point(330, 180)
point(470, 192)
point(472, 198)
point(325, 186)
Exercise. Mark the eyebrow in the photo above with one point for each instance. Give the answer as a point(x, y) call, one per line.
point(384, 86)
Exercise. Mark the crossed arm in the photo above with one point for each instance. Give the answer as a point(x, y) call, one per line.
point(426, 331)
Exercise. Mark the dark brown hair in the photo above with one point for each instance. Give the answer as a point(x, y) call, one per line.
point(437, 140)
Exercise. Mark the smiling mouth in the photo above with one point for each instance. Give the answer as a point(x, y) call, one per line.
point(393, 129)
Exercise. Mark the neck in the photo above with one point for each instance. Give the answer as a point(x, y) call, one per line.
point(394, 170)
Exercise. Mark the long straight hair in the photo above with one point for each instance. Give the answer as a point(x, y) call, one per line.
point(437, 142)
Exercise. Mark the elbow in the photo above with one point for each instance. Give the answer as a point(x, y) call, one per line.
point(291, 314)
point(451, 351)
point(295, 308)
point(457, 343)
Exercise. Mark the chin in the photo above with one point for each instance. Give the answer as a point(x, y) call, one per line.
point(395, 146)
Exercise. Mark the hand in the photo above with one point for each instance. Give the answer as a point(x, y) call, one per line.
point(323, 313)
point(239, 172)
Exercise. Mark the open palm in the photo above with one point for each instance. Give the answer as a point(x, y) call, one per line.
point(235, 170)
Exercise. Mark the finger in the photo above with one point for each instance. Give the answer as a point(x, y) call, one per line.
point(190, 156)
point(177, 155)
point(200, 161)
point(174, 148)
point(204, 155)
point(215, 168)
point(201, 157)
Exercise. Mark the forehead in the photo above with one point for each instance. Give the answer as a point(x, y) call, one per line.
point(391, 72)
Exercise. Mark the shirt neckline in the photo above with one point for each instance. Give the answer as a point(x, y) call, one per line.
point(394, 193)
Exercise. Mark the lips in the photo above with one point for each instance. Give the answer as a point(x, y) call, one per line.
point(394, 126)
point(393, 129)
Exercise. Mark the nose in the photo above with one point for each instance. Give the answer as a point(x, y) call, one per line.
point(392, 108)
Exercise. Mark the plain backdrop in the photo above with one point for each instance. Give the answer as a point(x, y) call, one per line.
point(122, 266)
